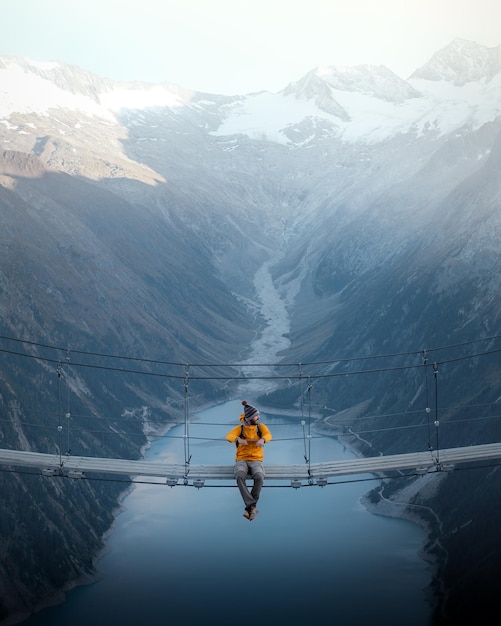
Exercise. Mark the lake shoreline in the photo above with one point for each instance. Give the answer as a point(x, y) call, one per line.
point(93, 576)
point(389, 507)
point(402, 509)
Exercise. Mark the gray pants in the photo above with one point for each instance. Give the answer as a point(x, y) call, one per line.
point(255, 470)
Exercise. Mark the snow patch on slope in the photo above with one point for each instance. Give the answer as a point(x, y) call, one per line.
point(23, 91)
point(26, 92)
point(265, 115)
point(141, 98)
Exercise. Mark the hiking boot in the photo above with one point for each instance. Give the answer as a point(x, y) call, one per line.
point(247, 513)
point(252, 513)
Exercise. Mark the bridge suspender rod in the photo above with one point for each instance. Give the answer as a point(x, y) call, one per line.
point(303, 423)
point(59, 426)
point(307, 449)
point(187, 455)
point(309, 427)
point(437, 422)
point(59, 410)
point(428, 409)
point(68, 414)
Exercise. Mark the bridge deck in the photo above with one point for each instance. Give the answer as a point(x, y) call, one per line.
point(78, 466)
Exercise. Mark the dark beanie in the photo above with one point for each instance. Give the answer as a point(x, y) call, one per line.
point(249, 411)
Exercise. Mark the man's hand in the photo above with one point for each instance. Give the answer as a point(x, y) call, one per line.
point(260, 442)
point(241, 442)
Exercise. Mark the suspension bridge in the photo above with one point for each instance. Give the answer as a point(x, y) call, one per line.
point(297, 475)
point(434, 459)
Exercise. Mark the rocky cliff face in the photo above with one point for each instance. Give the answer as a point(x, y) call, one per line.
point(134, 218)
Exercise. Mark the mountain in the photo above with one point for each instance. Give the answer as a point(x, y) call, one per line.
point(378, 82)
point(135, 218)
point(462, 62)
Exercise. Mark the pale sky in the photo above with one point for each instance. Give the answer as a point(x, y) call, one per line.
point(240, 46)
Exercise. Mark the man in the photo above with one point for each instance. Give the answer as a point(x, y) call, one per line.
point(249, 437)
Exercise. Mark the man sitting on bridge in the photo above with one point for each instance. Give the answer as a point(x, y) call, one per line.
point(249, 437)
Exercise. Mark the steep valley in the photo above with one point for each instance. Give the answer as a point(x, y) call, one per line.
point(131, 241)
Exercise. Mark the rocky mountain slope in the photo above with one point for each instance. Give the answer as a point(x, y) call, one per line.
point(134, 218)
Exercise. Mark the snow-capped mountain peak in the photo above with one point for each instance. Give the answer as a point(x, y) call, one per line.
point(370, 103)
point(460, 86)
point(462, 62)
point(371, 80)
point(315, 88)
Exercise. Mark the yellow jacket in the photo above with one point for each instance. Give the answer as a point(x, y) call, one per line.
point(249, 452)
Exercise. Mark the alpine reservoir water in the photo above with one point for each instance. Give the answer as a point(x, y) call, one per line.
point(314, 555)
point(180, 555)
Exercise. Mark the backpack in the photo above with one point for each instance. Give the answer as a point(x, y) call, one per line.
point(259, 433)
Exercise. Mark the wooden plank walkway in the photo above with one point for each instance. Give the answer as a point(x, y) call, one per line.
point(315, 473)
